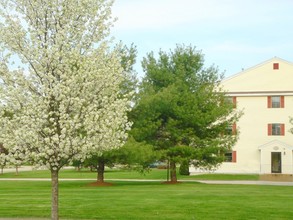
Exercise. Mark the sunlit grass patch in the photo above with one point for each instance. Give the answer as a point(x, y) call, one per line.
point(147, 200)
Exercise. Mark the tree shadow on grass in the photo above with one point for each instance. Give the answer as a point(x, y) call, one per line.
point(135, 183)
point(100, 184)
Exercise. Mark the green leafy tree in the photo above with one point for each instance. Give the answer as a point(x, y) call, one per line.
point(132, 155)
point(99, 161)
point(182, 110)
point(136, 155)
point(184, 167)
point(291, 122)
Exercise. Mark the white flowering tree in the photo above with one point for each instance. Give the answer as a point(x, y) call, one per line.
point(3, 158)
point(3, 161)
point(61, 99)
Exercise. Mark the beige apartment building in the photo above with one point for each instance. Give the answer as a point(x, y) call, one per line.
point(265, 94)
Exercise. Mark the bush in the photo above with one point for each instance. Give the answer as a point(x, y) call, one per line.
point(184, 168)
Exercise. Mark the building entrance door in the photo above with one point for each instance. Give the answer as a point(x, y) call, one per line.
point(276, 162)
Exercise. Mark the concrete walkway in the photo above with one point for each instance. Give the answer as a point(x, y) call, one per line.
point(215, 182)
point(13, 169)
point(27, 168)
point(235, 182)
point(246, 182)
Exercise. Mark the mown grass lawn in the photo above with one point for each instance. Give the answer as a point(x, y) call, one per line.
point(159, 174)
point(146, 200)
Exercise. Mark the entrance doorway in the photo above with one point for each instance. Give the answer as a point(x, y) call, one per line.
point(276, 162)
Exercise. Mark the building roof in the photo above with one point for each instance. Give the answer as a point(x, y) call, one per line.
point(277, 144)
point(262, 79)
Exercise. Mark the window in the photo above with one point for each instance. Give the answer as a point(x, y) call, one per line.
point(232, 99)
point(276, 66)
point(276, 129)
point(230, 156)
point(231, 130)
point(276, 102)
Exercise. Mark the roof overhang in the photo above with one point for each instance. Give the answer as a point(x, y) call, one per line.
point(275, 143)
point(260, 93)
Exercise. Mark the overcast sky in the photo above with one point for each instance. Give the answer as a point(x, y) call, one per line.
point(232, 34)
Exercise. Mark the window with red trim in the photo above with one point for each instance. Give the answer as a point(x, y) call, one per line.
point(231, 156)
point(276, 129)
point(275, 66)
point(232, 129)
point(234, 156)
point(276, 101)
point(232, 99)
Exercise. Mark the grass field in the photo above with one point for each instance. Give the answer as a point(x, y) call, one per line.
point(146, 201)
point(159, 174)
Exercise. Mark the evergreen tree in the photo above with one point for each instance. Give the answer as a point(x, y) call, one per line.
point(182, 110)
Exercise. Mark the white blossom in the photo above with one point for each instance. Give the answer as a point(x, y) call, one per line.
point(63, 101)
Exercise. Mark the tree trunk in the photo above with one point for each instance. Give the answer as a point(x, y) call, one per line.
point(16, 170)
point(168, 170)
point(101, 170)
point(55, 193)
point(78, 168)
point(173, 174)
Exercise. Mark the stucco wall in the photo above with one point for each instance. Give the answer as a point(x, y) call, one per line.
point(252, 87)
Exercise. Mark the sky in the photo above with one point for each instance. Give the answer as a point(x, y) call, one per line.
point(232, 34)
